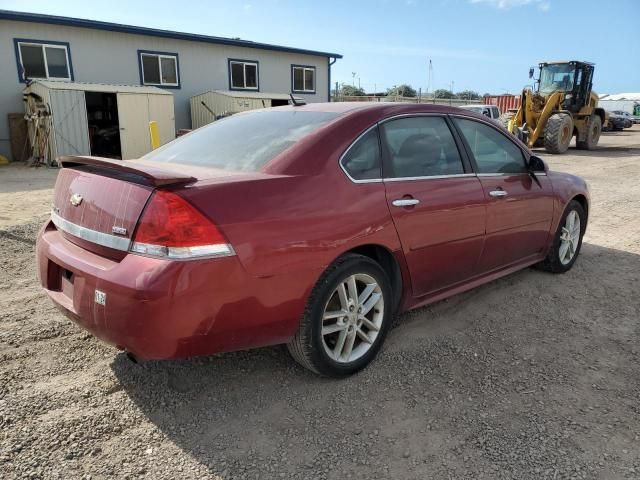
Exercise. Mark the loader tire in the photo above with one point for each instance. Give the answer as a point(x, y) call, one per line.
point(505, 118)
point(558, 133)
point(594, 129)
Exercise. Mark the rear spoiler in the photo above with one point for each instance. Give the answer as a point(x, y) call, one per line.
point(150, 174)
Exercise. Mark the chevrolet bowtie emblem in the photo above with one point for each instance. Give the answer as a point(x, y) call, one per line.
point(76, 199)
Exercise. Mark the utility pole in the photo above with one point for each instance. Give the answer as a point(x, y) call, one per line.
point(353, 81)
point(429, 77)
point(451, 97)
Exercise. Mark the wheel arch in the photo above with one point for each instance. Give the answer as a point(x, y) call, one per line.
point(600, 112)
point(584, 203)
point(389, 263)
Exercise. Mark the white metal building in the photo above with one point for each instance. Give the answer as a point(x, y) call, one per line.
point(49, 47)
point(627, 102)
point(73, 118)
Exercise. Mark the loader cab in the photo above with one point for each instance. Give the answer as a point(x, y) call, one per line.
point(573, 78)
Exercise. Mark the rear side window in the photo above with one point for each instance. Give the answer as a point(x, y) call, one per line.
point(245, 142)
point(493, 152)
point(362, 160)
point(420, 147)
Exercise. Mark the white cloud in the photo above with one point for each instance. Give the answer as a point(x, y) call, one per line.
point(542, 5)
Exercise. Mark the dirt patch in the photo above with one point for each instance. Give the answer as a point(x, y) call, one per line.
point(535, 376)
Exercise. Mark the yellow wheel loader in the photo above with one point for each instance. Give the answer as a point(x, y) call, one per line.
point(561, 106)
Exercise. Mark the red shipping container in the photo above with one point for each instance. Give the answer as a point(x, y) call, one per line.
point(503, 102)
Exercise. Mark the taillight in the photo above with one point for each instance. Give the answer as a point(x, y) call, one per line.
point(171, 228)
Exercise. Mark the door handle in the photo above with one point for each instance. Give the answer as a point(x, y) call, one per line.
point(405, 202)
point(498, 193)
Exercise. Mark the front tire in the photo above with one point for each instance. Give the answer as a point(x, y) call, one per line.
point(567, 240)
point(558, 132)
point(346, 318)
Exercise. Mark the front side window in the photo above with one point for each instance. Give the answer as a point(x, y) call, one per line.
point(420, 147)
point(556, 77)
point(304, 79)
point(226, 144)
point(43, 60)
point(362, 160)
point(159, 69)
point(493, 151)
point(243, 75)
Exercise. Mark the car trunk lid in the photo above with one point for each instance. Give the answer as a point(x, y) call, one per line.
point(97, 201)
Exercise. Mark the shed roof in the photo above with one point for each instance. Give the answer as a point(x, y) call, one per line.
point(153, 32)
point(258, 95)
point(101, 87)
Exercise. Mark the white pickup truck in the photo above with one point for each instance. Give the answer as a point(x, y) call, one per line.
point(490, 111)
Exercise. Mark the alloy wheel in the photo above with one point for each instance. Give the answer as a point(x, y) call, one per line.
point(569, 237)
point(352, 318)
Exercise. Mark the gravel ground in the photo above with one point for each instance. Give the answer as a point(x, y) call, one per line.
point(534, 376)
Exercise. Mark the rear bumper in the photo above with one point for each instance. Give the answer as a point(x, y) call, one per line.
point(160, 309)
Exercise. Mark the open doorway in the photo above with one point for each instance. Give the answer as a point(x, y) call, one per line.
point(104, 128)
point(278, 103)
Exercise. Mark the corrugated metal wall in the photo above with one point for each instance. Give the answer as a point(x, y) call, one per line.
point(504, 102)
point(221, 104)
point(69, 115)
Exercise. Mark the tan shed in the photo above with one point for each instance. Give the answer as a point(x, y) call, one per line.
point(207, 107)
point(74, 118)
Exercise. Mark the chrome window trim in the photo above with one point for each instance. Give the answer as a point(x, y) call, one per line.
point(429, 177)
point(417, 114)
point(504, 174)
point(346, 152)
point(93, 236)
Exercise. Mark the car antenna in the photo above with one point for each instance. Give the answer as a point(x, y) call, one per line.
point(295, 102)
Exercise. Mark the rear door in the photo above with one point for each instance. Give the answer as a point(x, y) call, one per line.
point(437, 205)
point(520, 208)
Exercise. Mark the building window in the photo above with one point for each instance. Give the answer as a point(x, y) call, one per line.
point(303, 79)
point(159, 69)
point(243, 75)
point(43, 60)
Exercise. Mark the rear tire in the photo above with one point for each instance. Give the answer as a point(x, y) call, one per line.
point(558, 133)
point(323, 338)
point(594, 128)
point(564, 252)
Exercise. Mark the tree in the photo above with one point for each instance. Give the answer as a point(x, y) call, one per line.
point(468, 95)
point(443, 93)
point(351, 91)
point(403, 90)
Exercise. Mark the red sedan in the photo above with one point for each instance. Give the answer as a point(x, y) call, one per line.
point(306, 225)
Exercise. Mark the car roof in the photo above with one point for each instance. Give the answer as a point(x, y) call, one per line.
point(381, 108)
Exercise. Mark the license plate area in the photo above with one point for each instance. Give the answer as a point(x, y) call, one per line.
point(59, 279)
point(66, 282)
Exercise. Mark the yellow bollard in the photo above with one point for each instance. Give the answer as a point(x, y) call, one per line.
point(155, 137)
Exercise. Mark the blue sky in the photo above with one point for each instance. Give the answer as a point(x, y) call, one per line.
point(482, 45)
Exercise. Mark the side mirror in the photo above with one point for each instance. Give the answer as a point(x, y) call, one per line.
point(536, 164)
point(531, 70)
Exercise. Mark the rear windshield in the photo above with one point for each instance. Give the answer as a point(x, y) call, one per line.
point(243, 142)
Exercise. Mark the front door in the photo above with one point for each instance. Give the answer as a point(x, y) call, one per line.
point(437, 207)
point(520, 207)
